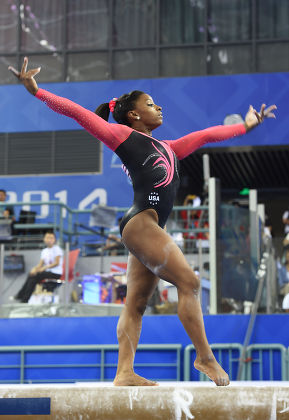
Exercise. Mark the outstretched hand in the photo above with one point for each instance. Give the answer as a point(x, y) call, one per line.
point(254, 118)
point(26, 77)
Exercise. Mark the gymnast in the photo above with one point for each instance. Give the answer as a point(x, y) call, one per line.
point(153, 166)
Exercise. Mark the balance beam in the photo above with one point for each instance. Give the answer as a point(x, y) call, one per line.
point(169, 401)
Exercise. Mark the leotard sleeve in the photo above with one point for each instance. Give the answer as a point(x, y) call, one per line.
point(112, 135)
point(186, 145)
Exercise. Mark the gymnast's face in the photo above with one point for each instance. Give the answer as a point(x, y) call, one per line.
point(147, 112)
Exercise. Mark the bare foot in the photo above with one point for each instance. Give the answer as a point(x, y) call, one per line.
point(213, 370)
point(132, 379)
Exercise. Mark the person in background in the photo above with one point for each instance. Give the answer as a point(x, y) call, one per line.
point(49, 267)
point(113, 244)
point(285, 220)
point(7, 211)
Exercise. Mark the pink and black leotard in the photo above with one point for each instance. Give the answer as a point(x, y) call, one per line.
point(152, 164)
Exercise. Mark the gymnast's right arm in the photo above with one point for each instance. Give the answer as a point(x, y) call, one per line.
point(112, 135)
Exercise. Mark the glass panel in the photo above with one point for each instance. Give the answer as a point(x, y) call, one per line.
point(6, 77)
point(88, 66)
point(51, 67)
point(236, 256)
point(134, 64)
point(182, 21)
point(8, 26)
point(229, 60)
point(87, 24)
point(229, 20)
point(41, 24)
point(134, 23)
point(177, 62)
point(272, 19)
point(273, 57)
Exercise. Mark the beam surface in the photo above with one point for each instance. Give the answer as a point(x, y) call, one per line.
point(169, 401)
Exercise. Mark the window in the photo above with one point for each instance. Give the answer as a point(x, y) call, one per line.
point(272, 19)
point(180, 62)
point(182, 21)
point(88, 66)
point(41, 25)
point(87, 24)
point(134, 64)
point(133, 23)
point(8, 26)
point(79, 40)
point(229, 59)
point(229, 20)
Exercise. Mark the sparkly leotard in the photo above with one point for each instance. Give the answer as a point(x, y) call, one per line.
point(152, 164)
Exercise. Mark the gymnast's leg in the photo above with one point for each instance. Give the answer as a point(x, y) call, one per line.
point(141, 283)
point(157, 251)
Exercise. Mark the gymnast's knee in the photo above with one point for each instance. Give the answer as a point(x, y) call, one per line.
point(137, 305)
point(189, 282)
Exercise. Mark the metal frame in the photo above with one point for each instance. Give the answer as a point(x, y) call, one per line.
point(247, 373)
point(71, 227)
point(217, 348)
point(157, 47)
point(269, 348)
point(102, 365)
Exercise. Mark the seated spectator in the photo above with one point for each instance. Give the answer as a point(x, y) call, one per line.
point(113, 244)
point(283, 277)
point(6, 212)
point(49, 267)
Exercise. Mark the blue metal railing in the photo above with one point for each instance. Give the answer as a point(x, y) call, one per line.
point(42, 364)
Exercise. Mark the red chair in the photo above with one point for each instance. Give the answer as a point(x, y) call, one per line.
point(52, 284)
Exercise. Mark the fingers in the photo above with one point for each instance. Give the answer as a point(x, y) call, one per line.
point(263, 106)
point(24, 66)
point(14, 71)
point(265, 112)
point(257, 114)
point(24, 74)
point(268, 113)
point(33, 72)
point(271, 107)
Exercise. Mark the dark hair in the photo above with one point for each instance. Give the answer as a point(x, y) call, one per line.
point(50, 232)
point(1, 190)
point(123, 105)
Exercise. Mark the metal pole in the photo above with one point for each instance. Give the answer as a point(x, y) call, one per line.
point(254, 229)
point(200, 268)
point(206, 172)
point(66, 277)
point(213, 245)
point(261, 276)
point(265, 242)
point(1, 272)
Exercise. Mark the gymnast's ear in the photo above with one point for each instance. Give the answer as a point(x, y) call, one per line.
point(132, 115)
point(103, 111)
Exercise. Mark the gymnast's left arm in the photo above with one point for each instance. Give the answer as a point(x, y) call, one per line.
point(186, 145)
